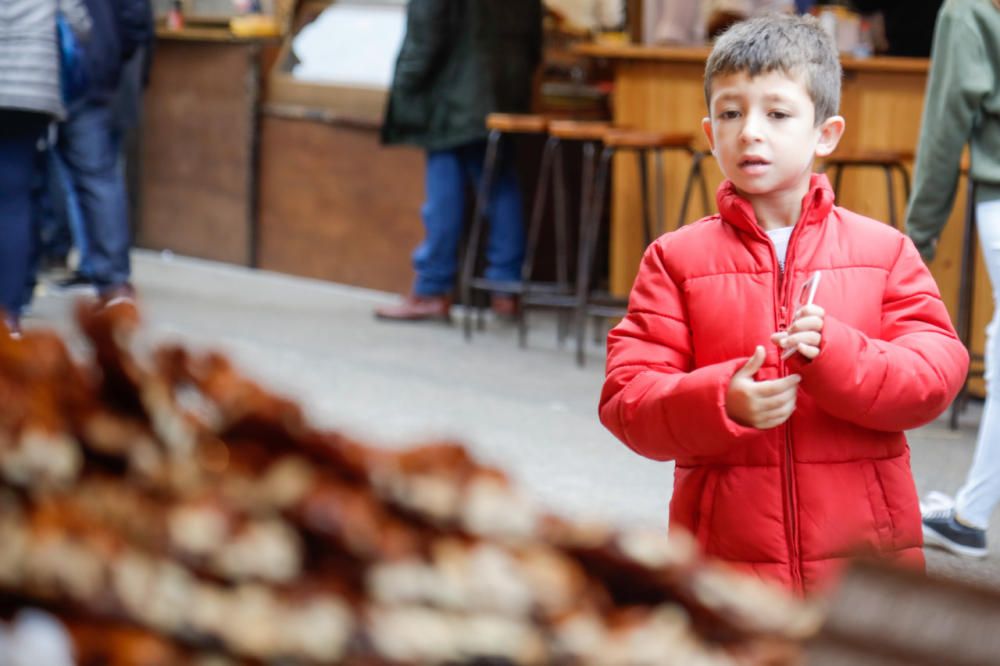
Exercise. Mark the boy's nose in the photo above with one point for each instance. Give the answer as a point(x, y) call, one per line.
point(750, 131)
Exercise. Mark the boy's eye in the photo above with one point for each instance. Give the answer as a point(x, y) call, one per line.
point(779, 115)
point(729, 114)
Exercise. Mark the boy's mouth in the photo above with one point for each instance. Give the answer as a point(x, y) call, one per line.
point(753, 161)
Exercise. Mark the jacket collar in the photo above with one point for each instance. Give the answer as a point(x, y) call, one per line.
point(737, 211)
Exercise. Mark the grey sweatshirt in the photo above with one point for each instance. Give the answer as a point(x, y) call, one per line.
point(29, 53)
point(962, 105)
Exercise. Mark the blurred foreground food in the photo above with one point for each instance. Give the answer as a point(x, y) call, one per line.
point(168, 510)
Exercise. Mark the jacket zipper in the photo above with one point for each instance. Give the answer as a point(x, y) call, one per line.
point(788, 478)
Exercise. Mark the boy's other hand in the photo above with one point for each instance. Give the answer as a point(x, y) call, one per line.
point(805, 333)
point(764, 404)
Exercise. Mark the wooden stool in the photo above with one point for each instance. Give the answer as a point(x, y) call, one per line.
point(559, 294)
point(594, 303)
point(966, 298)
point(887, 160)
point(498, 124)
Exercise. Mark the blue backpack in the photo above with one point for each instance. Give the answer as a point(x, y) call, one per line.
point(72, 68)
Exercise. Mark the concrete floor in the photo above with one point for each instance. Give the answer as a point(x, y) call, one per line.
point(531, 412)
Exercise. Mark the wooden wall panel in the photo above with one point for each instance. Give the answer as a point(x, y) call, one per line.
point(336, 205)
point(196, 154)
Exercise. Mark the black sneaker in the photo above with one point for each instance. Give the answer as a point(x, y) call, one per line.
point(943, 530)
point(75, 281)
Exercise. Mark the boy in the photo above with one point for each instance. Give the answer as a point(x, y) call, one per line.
point(785, 420)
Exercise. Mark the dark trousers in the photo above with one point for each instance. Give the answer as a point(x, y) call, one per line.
point(20, 133)
point(449, 175)
point(90, 145)
point(60, 222)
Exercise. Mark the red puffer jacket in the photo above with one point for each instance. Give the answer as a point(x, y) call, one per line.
point(792, 502)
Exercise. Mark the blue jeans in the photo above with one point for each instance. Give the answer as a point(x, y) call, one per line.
point(449, 172)
point(89, 143)
point(60, 222)
point(20, 133)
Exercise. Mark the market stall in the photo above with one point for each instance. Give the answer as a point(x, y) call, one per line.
point(662, 88)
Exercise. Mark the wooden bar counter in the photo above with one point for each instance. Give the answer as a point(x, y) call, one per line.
point(661, 88)
point(199, 145)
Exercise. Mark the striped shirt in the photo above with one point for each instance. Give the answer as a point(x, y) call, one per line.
point(29, 53)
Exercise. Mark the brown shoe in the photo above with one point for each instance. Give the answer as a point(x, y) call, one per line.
point(505, 306)
point(116, 294)
point(10, 327)
point(417, 308)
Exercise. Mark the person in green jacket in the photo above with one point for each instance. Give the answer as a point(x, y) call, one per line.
point(962, 106)
point(460, 61)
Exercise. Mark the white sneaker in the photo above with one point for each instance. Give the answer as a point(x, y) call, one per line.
point(935, 502)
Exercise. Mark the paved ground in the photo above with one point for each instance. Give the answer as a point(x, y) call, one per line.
point(532, 412)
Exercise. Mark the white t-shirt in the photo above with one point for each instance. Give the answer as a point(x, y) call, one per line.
point(779, 238)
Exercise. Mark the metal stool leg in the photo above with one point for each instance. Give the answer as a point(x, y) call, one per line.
point(967, 280)
point(890, 191)
point(475, 231)
point(661, 212)
point(694, 171)
point(905, 175)
point(640, 156)
point(586, 203)
point(706, 206)
point(561, 218)
point(589, 233)
point(562, 240)
point(534, 231)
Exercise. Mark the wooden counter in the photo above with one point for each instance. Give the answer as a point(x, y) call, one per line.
point(199, 145)
point(661, 88)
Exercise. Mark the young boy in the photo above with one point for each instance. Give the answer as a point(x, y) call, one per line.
point(785, 420)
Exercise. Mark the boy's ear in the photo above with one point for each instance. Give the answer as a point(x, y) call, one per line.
point(706, 127)
point(829, 135)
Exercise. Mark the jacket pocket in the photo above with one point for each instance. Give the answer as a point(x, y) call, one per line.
point(692, 499)
point(879, 504)
point(409, 110)
point(706, 507)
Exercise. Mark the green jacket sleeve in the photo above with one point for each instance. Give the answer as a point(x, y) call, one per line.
point(428, 35)
point(959, 80)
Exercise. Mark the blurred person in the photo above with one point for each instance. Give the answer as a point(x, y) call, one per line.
point(675, 21)
point(720, 14)
point(90, 144)
point(59, 221)
point(460, 61)
point(962, 106)
point(788, 428)
point(691, 21)
point(30, 99)
point(909, 24)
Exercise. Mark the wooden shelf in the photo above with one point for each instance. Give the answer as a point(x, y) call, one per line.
point(699, 54)
point(202, 33)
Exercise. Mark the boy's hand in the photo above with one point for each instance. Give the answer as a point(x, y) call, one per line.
point(805, 333)
point(760, 405)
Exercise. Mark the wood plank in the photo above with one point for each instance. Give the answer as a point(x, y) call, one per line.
point(336, 205)
point(663, 53)
point(197, 147)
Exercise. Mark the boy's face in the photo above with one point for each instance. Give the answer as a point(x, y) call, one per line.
point(763, 133)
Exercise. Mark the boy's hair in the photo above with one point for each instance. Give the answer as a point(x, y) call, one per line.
point(785, 43)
